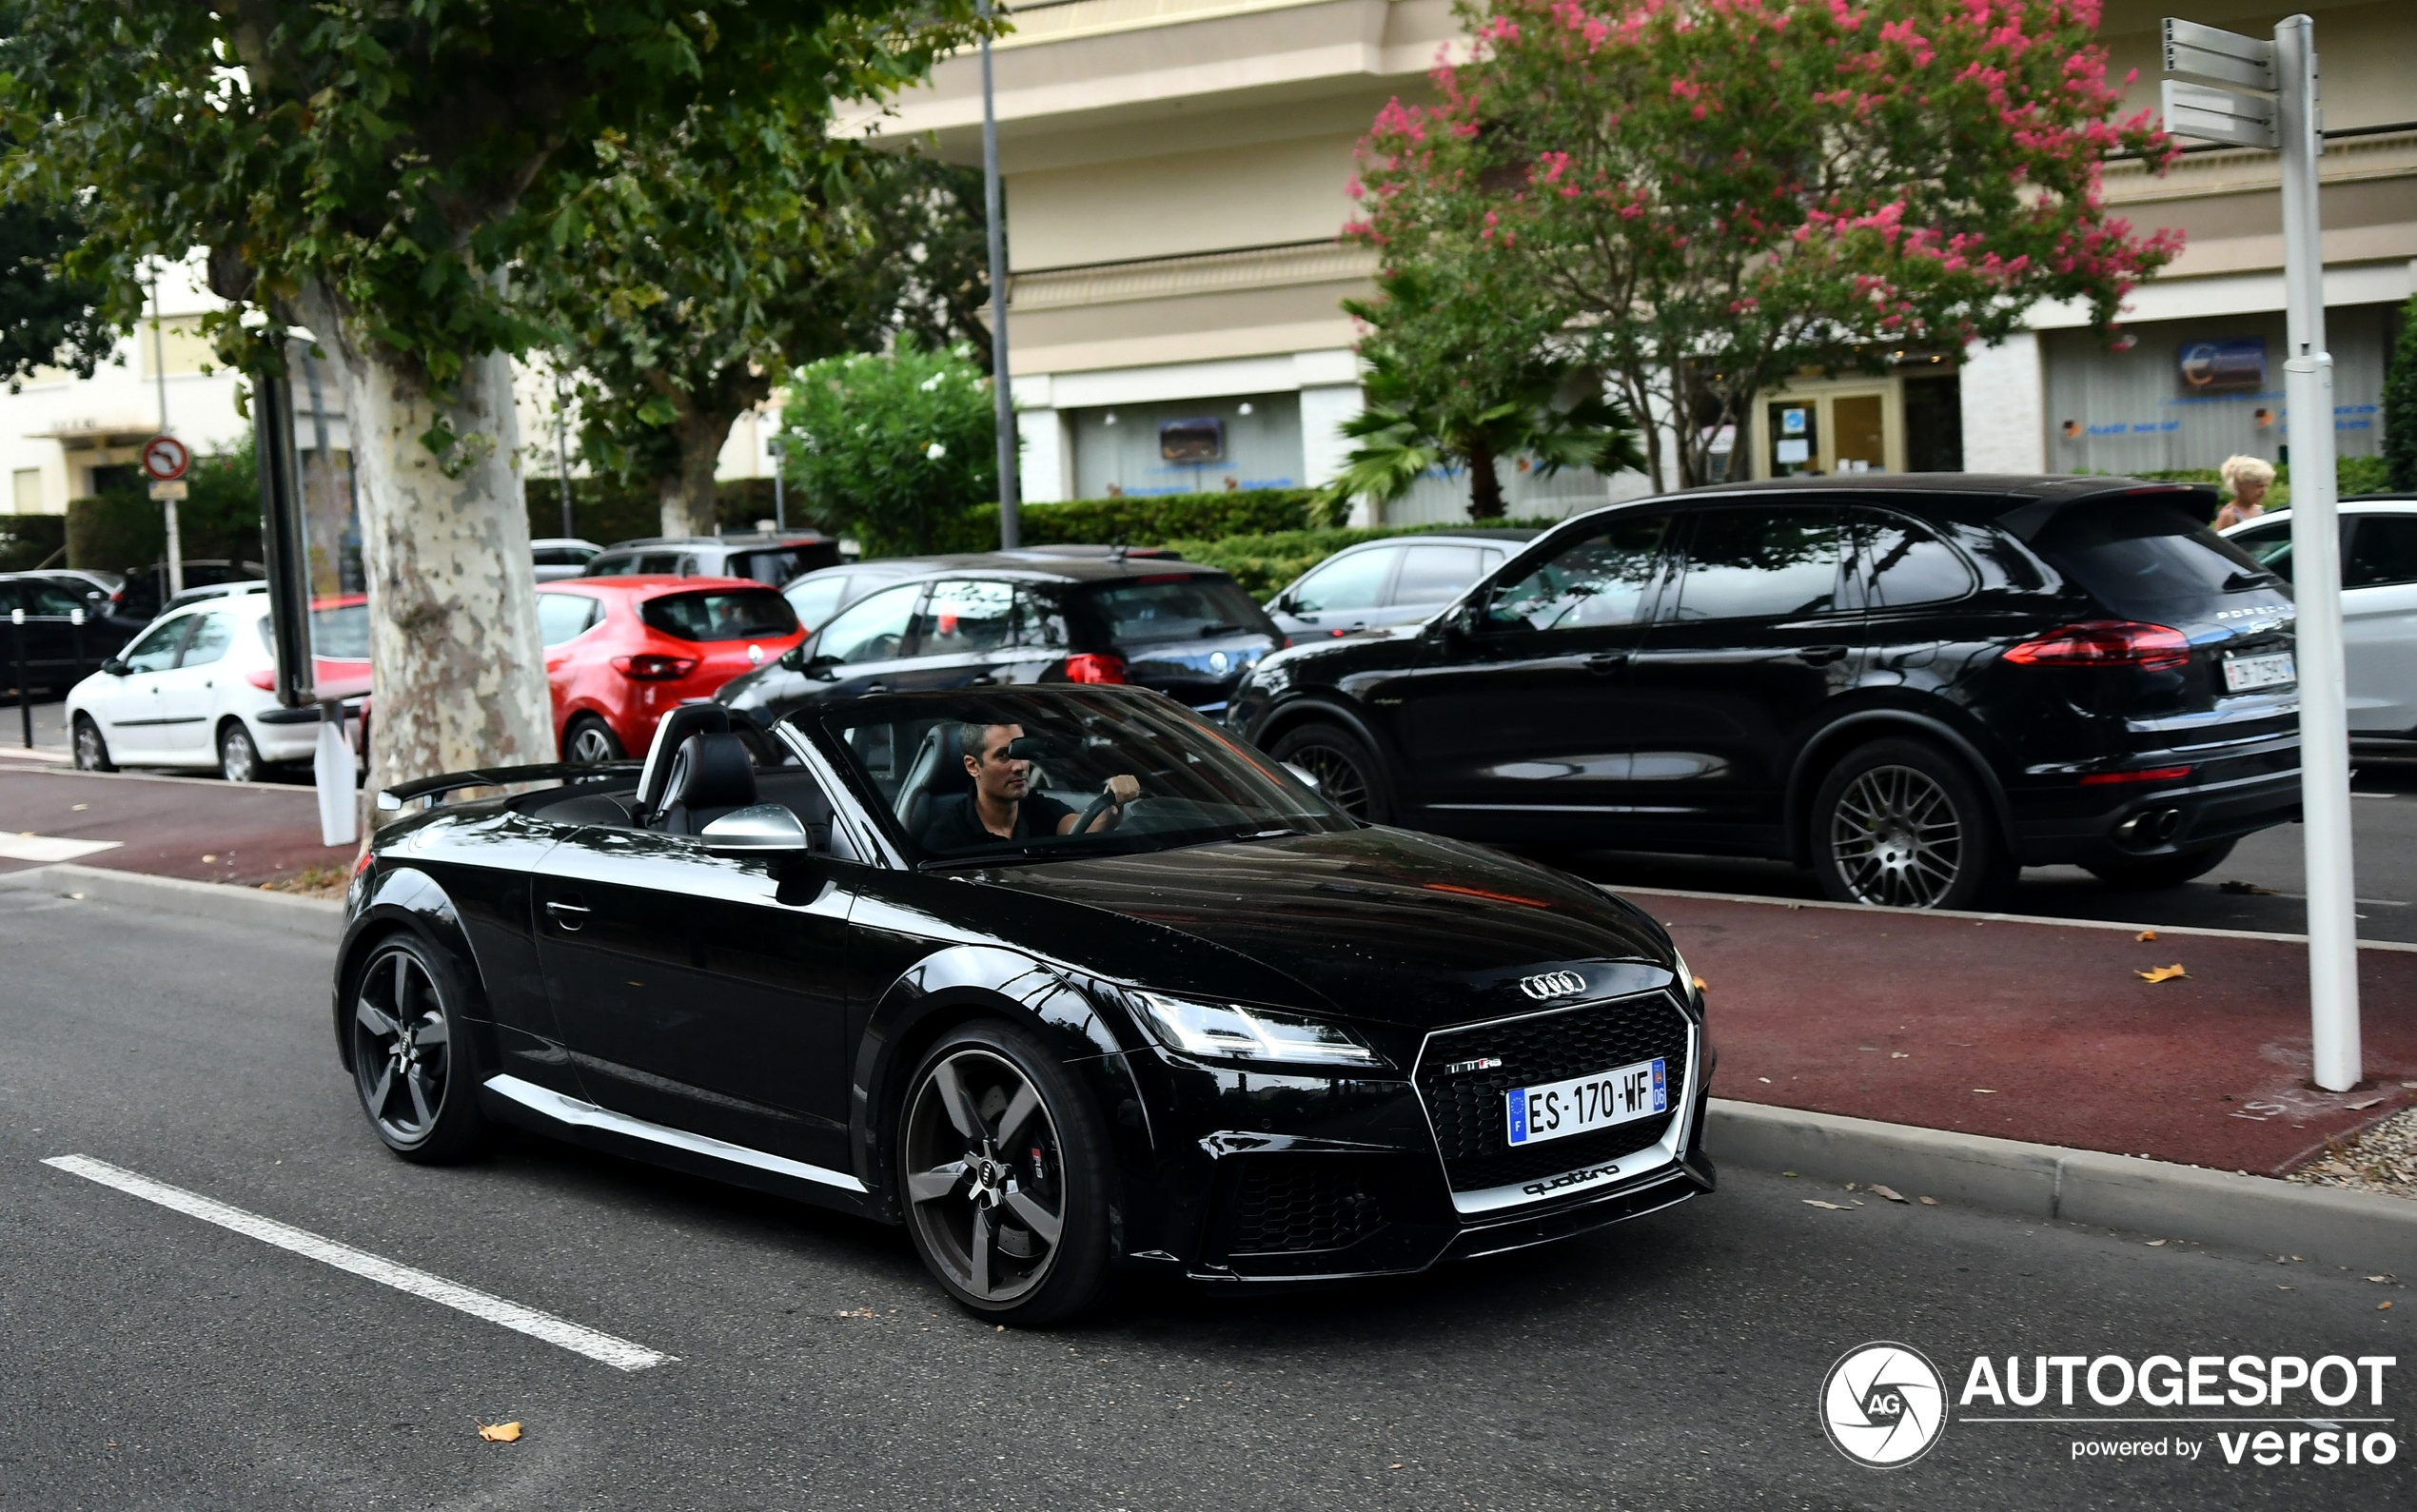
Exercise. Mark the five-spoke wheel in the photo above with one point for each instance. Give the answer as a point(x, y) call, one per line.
point(1000, 1176)
point(407, 1059)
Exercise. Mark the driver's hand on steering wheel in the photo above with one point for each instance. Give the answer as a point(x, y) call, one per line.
point(1123, 787)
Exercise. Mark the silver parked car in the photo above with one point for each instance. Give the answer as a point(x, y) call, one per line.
point(1401, 580)
point(2379, 603)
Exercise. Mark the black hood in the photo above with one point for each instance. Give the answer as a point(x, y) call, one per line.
point(1381, 923)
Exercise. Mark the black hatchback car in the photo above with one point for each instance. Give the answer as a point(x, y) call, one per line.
point(1006, 618)
point(1915, 685)
point(1200, 1023)
point(58, 652)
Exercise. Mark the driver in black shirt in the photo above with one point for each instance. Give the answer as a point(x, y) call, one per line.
point(1002, 805)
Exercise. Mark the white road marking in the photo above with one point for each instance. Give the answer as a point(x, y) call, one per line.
point(46, 848)
point(619, 1353)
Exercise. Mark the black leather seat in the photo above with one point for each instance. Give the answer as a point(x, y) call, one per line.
point(711, 776)
point(937, 772)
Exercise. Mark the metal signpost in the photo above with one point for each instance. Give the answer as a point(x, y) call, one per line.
point(25, 682)
point(285, 542)
point(164, 459)
point(1002, 401)
point(2222, 87)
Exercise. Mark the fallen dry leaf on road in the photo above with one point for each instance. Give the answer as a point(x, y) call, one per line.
point(2382, 1306)
point(1984, 1089)
point(2369, 1103)
point(1833, 1206)
point(2162, 973)
point(2385, 1280)
point(1700, 983)
point(500, 1432)
point(1899, 1056)
point(2153, 1243)
point(1928, 1202)
point(1879, 1191)
point(2145, 936)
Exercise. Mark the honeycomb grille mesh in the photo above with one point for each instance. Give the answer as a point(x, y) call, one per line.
point(1469, 1109)
point(1290, 1204)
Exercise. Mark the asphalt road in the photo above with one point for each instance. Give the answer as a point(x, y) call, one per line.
point(154, 1360)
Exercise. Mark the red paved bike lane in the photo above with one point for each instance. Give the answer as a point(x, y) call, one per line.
point(2038, 1031)
point(189, 827)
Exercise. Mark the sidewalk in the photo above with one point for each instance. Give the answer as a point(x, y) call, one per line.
point(2036, 1030)
point(197, 828)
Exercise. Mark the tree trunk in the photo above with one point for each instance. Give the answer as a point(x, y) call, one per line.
point(689, 504)
point(457, 672)
point(1484, 483)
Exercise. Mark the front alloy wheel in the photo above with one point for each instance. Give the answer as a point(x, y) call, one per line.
point(407, 1062)
point(1346, 770)
point(1003, 1197)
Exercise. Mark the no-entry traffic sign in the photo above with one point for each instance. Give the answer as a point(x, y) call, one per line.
point(164, 458)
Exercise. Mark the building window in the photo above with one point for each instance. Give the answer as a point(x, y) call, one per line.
point(27, 498)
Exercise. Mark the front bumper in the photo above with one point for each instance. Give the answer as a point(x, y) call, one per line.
point(1264, 1178)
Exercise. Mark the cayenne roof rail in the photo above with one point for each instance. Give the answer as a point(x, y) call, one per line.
point(436, 787)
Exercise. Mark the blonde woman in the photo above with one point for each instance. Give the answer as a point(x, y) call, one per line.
point(2249, 478)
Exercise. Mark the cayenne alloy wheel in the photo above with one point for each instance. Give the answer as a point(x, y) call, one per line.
point(1004, 1200)
point(1346, 769)
point(1897, 838)
point(406, 1059)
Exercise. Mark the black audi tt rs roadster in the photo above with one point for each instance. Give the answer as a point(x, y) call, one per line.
point(1066, 979)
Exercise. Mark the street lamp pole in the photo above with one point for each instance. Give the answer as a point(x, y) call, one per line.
point(1003, 402)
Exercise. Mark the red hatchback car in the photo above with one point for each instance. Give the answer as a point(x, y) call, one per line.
point(620, 651)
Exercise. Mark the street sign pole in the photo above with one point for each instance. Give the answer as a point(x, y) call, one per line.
point(2247, 92)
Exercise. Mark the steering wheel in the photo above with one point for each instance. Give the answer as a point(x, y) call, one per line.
point(1098, 805)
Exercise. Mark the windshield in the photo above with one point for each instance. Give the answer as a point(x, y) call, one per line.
point(1176, 608)
point(1042, 759)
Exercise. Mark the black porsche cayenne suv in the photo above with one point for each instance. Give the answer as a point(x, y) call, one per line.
point(1914, 684)
point(1197, 1023)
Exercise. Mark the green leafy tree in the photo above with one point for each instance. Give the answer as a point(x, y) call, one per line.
point(693, 267)
point(1453, 383)
point(1713, 194)
point(47, 318)
point(375, 174)
point(922, 264)
point(2400, 405)
point(893, 448)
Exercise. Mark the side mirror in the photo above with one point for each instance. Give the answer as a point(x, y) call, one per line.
point(795, 658)
point(822, 669)
point(1285, 605)
point(114, 667)
point(759, 830)
point(1309, 779)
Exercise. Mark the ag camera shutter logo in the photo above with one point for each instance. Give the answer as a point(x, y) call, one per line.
point(1883, 1404)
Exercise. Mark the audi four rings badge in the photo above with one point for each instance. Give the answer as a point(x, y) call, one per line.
point(1553, 984)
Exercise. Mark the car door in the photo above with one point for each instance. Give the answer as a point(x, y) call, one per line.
point(703, 993)
point(868, 645)
point(189, 692)
point(1430, 576)
point(1523, 713)
point(49, 632)
point(1343, 594)
point(127, 707)
point(2378, 623)
point(1763, 627)
point(963, 637)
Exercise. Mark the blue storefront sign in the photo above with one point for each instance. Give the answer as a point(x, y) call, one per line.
point(2224, 367)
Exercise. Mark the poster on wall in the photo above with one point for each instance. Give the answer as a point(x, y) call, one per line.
point(2233, 366)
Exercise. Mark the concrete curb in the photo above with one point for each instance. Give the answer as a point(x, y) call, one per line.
point(314, 918)
point(2357, 1230)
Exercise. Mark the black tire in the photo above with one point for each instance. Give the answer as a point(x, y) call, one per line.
point(92, 749)
point(238, 757)
point(588, 740)
point(2163, 871)
point(414, 1063)
point(1350, 777)
point(1901, 823)
point(980, 1211)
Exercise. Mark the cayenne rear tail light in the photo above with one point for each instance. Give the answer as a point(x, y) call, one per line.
point(2099, 779)
point(1091, 666)
point(2106, 643)
point(653, 668)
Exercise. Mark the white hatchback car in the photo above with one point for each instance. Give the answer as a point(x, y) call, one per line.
point(2378, 605)
point(198, 689)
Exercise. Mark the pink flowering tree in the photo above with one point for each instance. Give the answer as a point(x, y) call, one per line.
point(1703, 197)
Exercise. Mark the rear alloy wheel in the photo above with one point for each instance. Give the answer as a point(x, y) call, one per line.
point(1001, 1169)
point(410, 1055)
point(1350, 775)
point(1901, 824)
point(238, 758)
point(590, 740)
point(92, 750)
point(2163, 871)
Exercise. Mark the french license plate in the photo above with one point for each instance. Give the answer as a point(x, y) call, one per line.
point(1585, 1103)
point(2241, 673)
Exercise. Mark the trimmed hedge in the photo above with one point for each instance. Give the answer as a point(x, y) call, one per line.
point(115, 532)
point(1155, 521)
point(2351, 474)
point(1265, 563)
point(27, 541)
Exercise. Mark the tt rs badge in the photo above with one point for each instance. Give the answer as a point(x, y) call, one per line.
point(1553, 984)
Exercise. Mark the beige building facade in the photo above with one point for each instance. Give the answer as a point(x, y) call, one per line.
point(1177, 174)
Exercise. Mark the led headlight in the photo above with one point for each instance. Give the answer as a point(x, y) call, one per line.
point(1231, 1031)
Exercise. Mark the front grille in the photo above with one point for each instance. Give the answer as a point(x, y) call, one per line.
point(1469, 1111)
point(1289, 1204)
